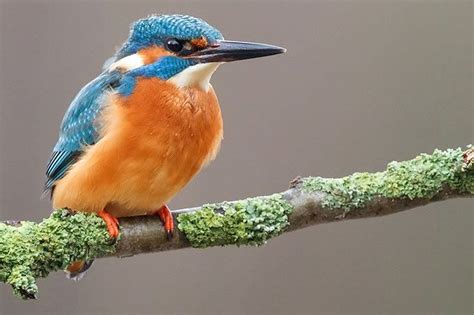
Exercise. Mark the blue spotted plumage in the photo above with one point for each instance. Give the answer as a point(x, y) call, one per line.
point(78, 128)
point(155, 29)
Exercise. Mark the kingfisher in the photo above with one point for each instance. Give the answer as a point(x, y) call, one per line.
point(134, 136)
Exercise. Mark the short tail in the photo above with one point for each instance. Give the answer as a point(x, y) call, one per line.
point(77, 269)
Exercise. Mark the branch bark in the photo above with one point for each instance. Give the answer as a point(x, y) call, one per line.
point(144, 234)
point(29, 250)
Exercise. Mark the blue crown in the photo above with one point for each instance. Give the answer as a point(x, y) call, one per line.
point(155, 29)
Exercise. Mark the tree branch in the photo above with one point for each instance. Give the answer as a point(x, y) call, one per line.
point(29, 250)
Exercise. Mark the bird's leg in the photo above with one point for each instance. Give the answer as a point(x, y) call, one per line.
point(111, 222)
point(167, 218)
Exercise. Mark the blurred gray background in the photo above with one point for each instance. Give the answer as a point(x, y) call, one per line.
point(363, 83)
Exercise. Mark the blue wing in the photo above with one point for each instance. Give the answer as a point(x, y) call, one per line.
point(79, 128)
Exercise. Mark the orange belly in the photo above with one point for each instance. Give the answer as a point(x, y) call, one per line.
point(152, 144)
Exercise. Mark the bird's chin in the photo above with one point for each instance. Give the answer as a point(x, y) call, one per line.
point(197, 76)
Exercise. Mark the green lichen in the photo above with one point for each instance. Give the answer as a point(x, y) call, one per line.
point(421, 177)
point(30, 250)
point(248, 222)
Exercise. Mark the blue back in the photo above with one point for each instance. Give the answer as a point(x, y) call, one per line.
point(78, 128)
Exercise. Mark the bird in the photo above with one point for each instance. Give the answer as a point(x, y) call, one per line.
point(135, 135)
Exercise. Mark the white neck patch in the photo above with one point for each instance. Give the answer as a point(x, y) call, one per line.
point(196, 76)
point(127, 63)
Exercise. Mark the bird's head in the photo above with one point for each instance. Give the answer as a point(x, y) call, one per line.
point(183, 49)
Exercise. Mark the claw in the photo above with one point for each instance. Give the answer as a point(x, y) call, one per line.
point(111, 222)
point(167, 218)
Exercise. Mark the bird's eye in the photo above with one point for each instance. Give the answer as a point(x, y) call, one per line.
point(174, 45)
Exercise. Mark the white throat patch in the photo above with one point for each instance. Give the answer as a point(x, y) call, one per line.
point(195, 76)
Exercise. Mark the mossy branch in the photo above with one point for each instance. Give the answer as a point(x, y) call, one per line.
point(30, 250)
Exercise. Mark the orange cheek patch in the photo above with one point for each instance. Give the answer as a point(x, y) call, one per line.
point(152, 54)
point(200, 42)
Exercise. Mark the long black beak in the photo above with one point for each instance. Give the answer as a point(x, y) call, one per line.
point(226, 50)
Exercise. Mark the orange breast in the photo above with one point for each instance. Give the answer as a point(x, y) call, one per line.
point(153, 143)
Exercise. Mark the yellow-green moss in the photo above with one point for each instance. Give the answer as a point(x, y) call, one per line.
point(421, 177)
point(247, 222)
point(29, 251)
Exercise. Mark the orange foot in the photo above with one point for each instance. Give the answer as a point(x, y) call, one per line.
point(111, 222)
point(167, 218)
